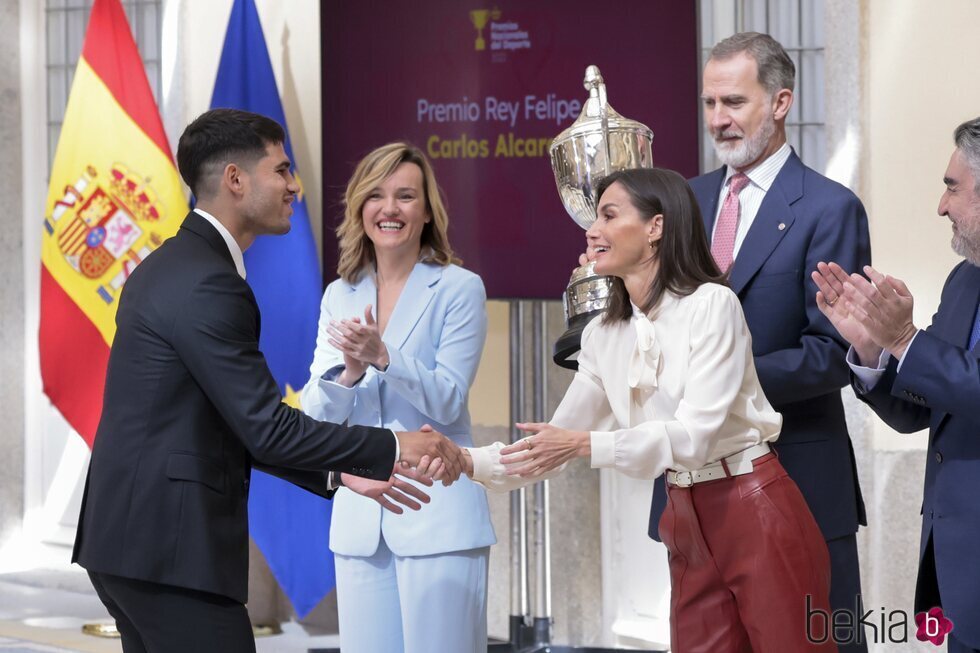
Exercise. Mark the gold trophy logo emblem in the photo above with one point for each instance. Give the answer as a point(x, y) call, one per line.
point(479, 19)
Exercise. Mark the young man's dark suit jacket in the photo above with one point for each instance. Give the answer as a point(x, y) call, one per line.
point(804, 218)
point(190, 407)
point(939, 387)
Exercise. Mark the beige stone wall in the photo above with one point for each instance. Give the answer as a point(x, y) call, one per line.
point(12, 434)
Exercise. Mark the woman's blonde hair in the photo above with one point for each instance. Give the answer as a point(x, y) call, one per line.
point(356, 249)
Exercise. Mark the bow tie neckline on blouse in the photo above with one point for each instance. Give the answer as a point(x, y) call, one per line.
point(645, 360)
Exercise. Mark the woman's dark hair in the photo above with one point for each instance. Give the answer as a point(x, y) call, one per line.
point(684, 256)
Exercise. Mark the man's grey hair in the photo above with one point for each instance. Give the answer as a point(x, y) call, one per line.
point(967, 139)
point(776, 69)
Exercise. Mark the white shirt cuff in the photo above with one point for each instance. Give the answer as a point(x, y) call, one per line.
point(483, 462)
point(603, 449)
point(398, 449)
point(867, 377)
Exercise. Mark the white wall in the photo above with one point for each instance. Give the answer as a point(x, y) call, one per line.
point(922, 82)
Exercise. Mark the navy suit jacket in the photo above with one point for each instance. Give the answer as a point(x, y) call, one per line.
point(800, 358)
point(939, 387)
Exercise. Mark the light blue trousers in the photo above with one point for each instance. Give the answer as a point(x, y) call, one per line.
point(424, 604)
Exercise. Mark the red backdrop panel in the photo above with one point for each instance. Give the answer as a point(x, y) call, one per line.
point(414, 71)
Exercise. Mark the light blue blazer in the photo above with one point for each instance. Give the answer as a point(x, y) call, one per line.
point(434, 337)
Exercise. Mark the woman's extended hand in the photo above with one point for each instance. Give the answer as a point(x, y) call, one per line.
point(545, 449)
point(360, 341)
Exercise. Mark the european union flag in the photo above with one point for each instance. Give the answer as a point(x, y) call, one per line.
point(290, 525)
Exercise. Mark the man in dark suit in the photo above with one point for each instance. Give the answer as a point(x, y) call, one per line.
point(770, 219)
point(190, 407)
point(913, 379)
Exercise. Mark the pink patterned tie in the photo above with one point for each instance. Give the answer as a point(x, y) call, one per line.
point(723, 244)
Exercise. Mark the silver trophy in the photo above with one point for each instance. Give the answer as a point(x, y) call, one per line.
point(599, 142)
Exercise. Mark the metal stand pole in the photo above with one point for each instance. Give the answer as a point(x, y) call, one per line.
point(520, 633)
point(542, 550)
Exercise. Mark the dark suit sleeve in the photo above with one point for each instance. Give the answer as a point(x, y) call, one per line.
point(315, 482)
point(216, 335)
point(902, 415)
point(940, 377)
point(817, 367)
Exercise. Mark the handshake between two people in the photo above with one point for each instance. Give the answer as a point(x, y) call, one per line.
point(427, 456)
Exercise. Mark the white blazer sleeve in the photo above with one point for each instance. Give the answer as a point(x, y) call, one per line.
point(321, 397)
point(441, 393)
point(720, 349)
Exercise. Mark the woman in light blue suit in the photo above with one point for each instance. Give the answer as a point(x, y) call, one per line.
point(414, 582)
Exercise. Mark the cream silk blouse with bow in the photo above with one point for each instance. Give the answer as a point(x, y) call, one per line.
point(676, 390)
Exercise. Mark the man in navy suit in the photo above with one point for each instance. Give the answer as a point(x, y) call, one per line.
point(771, 219)
point(915, 378)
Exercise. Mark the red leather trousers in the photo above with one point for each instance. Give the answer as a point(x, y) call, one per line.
point(745, 554)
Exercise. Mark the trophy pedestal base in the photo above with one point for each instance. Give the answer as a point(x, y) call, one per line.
point(570, 342)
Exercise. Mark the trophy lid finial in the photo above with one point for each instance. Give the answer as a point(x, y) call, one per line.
point(598, 142)
point(593, 78)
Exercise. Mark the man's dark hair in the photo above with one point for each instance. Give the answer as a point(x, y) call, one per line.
point(219, 137)
point(685, 260)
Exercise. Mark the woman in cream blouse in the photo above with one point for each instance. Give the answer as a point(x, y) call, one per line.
point(666, 383)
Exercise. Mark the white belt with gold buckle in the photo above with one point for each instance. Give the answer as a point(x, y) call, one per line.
point(738, 464)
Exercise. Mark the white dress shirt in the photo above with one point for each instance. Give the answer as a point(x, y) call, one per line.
point(675, 391)
point(750, 199)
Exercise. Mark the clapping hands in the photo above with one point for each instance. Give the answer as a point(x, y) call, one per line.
point(360, 343)
point(872, 314)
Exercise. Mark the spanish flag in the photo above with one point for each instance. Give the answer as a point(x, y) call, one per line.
point(114, 197)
